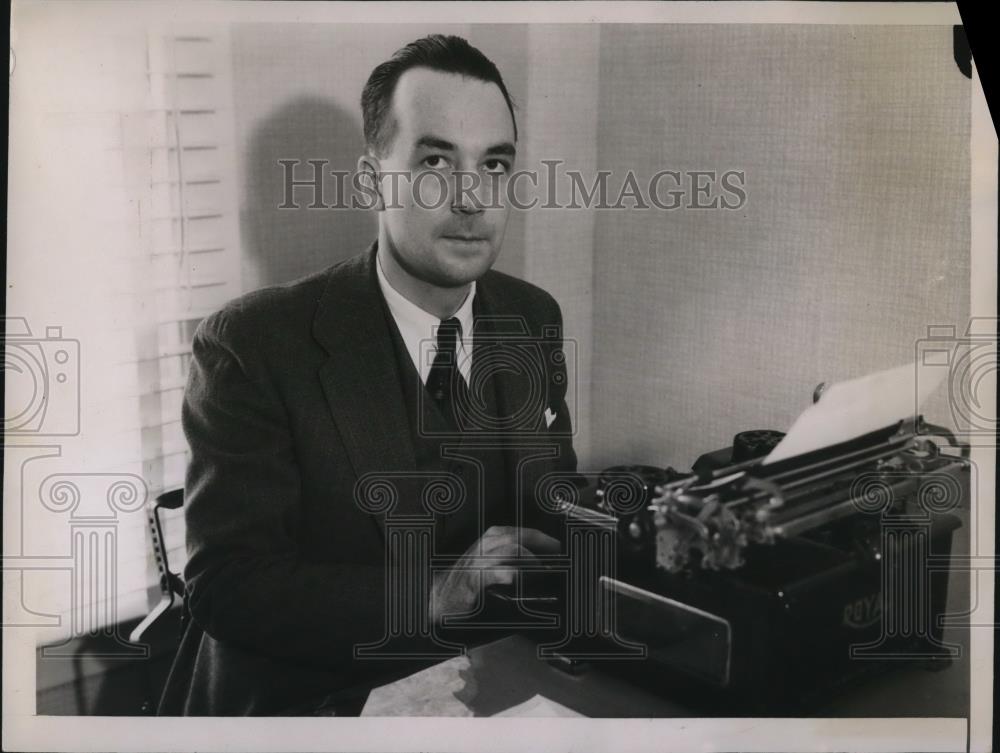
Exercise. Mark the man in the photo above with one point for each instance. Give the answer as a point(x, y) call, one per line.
point(307, 401)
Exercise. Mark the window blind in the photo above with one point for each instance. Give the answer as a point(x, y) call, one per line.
point(134, 139)
point(191, 251)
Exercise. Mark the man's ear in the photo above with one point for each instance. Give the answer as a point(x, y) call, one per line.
point(369, 170)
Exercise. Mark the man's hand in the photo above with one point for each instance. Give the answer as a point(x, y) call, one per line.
point(457, 589)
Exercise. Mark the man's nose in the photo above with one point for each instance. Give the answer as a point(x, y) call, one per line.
point(466, 208)
point(465, 196)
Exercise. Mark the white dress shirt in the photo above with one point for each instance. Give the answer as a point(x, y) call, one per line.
point(419, 329)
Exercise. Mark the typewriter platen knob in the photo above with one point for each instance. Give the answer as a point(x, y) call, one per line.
point(749, 445)
point(637, 534)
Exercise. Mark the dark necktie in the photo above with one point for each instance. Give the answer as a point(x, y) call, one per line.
point(445, 382)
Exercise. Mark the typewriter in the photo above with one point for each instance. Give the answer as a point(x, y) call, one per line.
point(758, 588)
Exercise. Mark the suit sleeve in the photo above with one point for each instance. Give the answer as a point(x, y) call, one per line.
point(246, 582)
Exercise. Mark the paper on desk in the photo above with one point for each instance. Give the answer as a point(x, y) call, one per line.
point(850, 409)
point(435, 691)
point(538, 705)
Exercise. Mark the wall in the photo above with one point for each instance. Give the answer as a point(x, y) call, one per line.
point(561, 124)
point(854, 238)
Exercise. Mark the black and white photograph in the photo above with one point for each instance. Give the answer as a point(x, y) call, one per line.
point(498, 376)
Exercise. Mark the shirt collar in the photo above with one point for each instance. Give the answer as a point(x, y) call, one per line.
point(417, 326)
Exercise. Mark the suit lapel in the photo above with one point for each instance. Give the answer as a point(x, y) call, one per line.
point(361, 378)
point(501, 344)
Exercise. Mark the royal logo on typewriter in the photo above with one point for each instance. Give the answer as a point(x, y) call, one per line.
point(863, 612)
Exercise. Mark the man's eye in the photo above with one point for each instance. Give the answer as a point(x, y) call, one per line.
point(496, 166)
point(435, 162)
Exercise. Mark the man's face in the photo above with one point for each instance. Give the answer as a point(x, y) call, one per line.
point(451, 133)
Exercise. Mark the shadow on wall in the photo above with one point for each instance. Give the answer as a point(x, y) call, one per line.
point(282, 244)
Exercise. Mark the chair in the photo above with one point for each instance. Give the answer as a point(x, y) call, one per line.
point(171, 584)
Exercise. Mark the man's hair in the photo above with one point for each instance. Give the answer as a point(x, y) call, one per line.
point(448, 54)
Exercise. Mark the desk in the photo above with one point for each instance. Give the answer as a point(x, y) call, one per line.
point(504, 673)
point(498, 675)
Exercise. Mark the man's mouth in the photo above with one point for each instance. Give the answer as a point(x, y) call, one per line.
point(467, 238)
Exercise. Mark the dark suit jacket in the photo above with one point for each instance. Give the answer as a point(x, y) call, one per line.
point(294, 394)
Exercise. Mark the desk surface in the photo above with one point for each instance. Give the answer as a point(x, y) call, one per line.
point(504, 673)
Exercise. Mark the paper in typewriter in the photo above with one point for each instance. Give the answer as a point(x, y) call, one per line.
point(856, 407)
